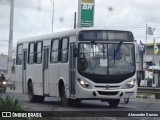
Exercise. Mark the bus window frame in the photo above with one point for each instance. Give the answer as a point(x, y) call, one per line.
point(57, 50)
point(65, 49)
point(37, 52)
point(19, 54)
point(31, 53)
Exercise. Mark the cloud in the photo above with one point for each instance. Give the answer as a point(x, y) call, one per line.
point(34, 17)
point(23, 4)
point(146, 4)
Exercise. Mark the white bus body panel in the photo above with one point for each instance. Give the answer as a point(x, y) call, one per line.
point(53, 79)
point(18, 77)
point(64, 75)
point(20, 80)
point(45, 73)
point(36, 73)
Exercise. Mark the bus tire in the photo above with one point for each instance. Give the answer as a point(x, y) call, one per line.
point(41, 99)
point(75, 102)
point(126, 100)
point(31, 96)
point(64, 100)
point(113, 103)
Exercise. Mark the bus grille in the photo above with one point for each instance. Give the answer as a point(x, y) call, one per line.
point(104, 87)
point(107, 93)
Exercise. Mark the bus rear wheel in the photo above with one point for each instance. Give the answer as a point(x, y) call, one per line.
point(40, 98)
point(113, 103)
point(64, 100)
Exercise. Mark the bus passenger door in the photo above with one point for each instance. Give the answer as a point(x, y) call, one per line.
point(24, 85)
point(72, 74)
point(45, 71)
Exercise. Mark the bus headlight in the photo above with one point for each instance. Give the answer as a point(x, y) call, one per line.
point(4, 82)
point(130, 84)
point(83, 83)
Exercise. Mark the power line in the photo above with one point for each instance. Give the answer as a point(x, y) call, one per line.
point(4, 7)
point(52, 2)
point(4, 10)
point(131, 26)
point(143, 22)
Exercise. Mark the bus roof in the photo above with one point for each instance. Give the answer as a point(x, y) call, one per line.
point(73, 32)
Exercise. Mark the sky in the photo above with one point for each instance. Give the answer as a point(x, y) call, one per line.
point(34, 17)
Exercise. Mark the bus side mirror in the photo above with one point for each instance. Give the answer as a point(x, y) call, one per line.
point(75, 52)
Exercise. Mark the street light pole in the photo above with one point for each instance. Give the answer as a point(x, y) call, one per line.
point(10, 45)
point(79, 14)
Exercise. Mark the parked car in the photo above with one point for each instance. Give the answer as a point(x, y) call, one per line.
point(3, 83)
point(3, 86)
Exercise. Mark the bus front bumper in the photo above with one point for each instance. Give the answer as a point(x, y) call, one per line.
point(107, 93)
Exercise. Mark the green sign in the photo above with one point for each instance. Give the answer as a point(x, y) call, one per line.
point(87, 14)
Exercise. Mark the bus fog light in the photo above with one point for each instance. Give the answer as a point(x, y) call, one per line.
point(121, 94)
point(83, 83)
point(94, 93)
point(130, 84)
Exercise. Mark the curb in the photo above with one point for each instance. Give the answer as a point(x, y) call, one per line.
point(146, 96)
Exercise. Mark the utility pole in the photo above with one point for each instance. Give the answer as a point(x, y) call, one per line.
point(75, 20)
point(52, 16)
point(10, 45)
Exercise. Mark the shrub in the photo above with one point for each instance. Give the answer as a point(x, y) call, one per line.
point(9, 104)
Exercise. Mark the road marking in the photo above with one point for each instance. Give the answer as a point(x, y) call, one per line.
point(128, 106)
point(67, 109)
point(109, 118)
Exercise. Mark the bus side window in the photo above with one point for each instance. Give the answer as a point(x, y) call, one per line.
point(19, 54)
point(54, 51)
point(31, 53)
point(38, 53)
point(64, 51)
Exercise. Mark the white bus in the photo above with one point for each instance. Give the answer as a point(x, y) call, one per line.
point(80, 64)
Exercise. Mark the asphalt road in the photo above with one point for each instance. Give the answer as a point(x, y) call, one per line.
point(97, 108)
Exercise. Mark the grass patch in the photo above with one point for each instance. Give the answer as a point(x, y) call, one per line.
point(9, 104)
point(146, 95)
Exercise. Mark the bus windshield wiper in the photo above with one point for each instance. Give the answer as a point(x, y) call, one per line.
point(117, 50)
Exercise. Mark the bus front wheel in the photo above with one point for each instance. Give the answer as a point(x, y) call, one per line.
point(113, 102)
point(126, 100)
point(75, 102)
point(32, 97)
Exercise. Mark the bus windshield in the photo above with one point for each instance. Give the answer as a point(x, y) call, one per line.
point(106, 58)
